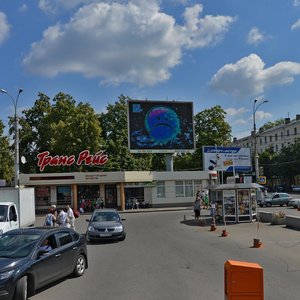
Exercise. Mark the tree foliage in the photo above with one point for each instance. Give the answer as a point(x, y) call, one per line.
point(115, 135)
point(284, 165)
point(6, 157)
point(62, 128)
point(270, 124)
point(211, 128)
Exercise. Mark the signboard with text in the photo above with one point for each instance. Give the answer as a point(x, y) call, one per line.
point(226, 159)
point(84, 158)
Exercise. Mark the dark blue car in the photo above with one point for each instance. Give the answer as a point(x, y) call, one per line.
point(31, 258)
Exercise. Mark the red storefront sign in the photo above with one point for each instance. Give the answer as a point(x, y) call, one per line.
point(84, 157)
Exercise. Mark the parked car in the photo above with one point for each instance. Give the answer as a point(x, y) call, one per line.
point(296, 188)
point(295, 203)
point(27, 265)
point(275, 199)
point(105, 224)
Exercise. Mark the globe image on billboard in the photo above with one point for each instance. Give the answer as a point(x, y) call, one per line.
point(162, 124)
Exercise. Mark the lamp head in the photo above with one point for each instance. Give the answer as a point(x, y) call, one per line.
point(3, 91)
point(20, 91)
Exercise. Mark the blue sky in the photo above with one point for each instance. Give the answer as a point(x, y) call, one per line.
point(225, 52)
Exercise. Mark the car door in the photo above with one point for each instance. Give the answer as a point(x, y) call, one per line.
point(275, 199)
point(48, 266)
point(68, 251)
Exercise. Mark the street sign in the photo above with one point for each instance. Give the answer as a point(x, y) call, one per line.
point(262, 179)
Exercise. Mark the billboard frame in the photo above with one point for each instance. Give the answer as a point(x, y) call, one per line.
point(184, 116)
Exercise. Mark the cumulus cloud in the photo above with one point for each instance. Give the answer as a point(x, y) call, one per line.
point(296, 25)
point(54, 6)
point(4, 27)
point(262, 115)
point(234, 112)
point(255, 36)
point(123, 42)
point(248, 76)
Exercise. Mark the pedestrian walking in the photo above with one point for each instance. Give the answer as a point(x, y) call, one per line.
point(62, 218)
point(71, 217)
point(197, 206)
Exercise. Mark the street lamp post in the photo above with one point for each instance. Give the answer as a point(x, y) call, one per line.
point(255, 107)
point(16, 126)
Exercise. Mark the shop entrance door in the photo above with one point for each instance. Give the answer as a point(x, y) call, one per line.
point(111, 196)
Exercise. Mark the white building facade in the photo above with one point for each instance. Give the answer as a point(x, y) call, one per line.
point(277, 137)
point(117, 189)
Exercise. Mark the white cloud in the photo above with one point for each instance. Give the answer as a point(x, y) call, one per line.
point(233, 112)
point(255, 36)
point(262, 115)
point(296, 2)
point(23, 8)
point(296, 25)
point(248, 76)
point(133, 42)
point(54, 6)
point(4, 27)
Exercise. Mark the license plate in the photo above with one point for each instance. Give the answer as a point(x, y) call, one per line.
point(105, 234)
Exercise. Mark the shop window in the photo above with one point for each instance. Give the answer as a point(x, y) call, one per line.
point(161, 189)
point(63, 195)
point(42, 196)
point(179, 188)
point(89, 197)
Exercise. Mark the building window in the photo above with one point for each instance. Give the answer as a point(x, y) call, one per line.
point(161, 189)
point(265, 139)
point(287, 133)
point(270, 139)
point(276, 137)
point(63, 195)
point(281, 134)
point(188, 188)
point(295, 131)
point(260, 141)
point(179, 188)
point(282, 146)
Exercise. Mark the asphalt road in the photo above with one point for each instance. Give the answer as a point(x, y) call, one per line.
point(167, 256)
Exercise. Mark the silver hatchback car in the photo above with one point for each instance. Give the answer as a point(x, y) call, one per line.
point(105, 224)
point(276, 199)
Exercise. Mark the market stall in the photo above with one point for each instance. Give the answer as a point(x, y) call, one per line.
point(235, 202)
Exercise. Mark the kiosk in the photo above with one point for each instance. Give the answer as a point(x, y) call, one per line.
point(235, 202)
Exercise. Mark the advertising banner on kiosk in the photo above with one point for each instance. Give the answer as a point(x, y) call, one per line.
point(226, 159)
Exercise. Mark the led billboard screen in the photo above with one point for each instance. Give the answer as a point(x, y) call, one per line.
point(160, 126)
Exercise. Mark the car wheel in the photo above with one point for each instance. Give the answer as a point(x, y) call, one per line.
point(268, 204)
point(80, 266)
point(21, 289)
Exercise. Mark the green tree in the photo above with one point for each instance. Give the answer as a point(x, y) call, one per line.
point(211, 129)
point(115, 134)
point(270, 124)
point(63, 128)
point(6, 157)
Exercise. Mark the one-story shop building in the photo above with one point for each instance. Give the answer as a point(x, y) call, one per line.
point(117, 189)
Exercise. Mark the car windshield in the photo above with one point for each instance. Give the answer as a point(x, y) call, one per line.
point(17, 245)
point(105, 216)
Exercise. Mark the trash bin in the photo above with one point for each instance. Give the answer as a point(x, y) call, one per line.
point(243, 281)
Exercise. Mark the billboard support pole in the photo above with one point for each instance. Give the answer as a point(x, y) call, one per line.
point(169, 162)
